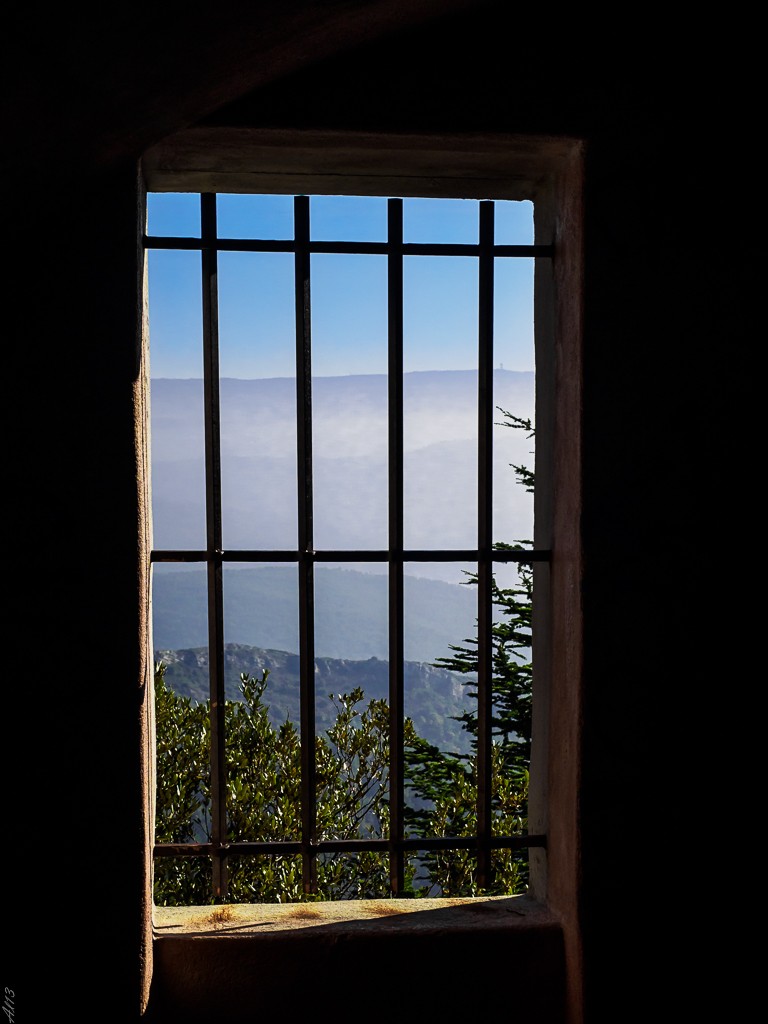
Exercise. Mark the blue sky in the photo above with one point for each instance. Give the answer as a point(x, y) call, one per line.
point(349, 301)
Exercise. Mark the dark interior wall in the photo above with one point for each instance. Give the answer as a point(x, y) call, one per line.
point(662, 127)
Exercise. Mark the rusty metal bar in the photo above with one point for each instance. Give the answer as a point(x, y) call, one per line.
point(213, 527)
point(350, 845)
point(396, 585)
point(305, 541)
point(351, 248)
point(355, 555)
point(485, 542)
point(361, 555)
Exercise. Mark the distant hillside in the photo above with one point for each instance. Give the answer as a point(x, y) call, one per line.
point(351, 611)
point(432, 695)
point(349, 458)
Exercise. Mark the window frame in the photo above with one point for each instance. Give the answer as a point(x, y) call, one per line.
point(485, 253)
point(548, 171)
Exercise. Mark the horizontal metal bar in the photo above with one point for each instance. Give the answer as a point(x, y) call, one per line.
point(457, 249)
point(472, 555)
point(184, 850)
point(417, 555)
point(350, 248)
point(471, 842)
point(172, 555)
point(264, 556)
point(346, 845)
point(221, 244)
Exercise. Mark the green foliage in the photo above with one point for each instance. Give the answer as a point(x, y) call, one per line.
point(525, 476)
point(453, 812)
point(182, 794)
point(512, 671)
point(183, 772)
point(263, 773)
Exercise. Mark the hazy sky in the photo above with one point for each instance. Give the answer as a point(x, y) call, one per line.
point(348, 292)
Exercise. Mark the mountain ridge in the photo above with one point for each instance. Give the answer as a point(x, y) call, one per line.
point(434, 697)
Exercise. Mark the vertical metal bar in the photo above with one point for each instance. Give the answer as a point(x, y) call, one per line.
point(305, 540)
point(209, 259)
point(396, 644)
point(485, 543)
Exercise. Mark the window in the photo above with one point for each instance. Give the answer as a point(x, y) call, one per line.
point(298, 264)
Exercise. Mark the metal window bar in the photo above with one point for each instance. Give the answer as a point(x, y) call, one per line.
point(484, 540)
point(209, 265)
point(396, 582)
point(397, 844)
point(306, 542)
